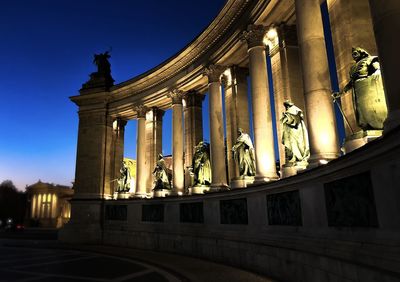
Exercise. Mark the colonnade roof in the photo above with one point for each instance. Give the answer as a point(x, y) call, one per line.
point(219, 43)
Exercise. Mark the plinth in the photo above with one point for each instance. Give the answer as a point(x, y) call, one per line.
point(359, 139)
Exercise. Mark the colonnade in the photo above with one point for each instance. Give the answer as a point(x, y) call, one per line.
point(313, 91)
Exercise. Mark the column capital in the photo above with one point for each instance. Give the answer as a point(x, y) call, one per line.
point(214, 72)
point(141, 111)
point(193, 98)
point(176, 96)
point(157, 113)
point(254, 35)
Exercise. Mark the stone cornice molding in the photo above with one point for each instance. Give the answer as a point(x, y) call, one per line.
point(176, 96)
point(141, 111)
point(214, 72)
point(201, 45)
point(254, 36)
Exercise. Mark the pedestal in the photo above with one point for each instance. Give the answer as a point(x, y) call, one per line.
point(359, 139)
point(199, 189)
point(242, 182)
point(161, 193)
point(290, 170)
point(123, 195)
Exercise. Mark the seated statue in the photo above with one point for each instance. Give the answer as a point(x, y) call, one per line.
point(162, 175)
point(368, 94)
point(124, 180)
point(243, 152)
point(201, 166)
point(294, 135)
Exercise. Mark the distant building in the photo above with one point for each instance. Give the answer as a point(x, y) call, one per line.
point(48, 205)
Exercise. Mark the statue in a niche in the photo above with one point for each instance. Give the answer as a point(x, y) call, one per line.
point(368, 93)
point(124, 180)
point(162, 175)
point(243, 152)
point(201, 166)
point(294, 135)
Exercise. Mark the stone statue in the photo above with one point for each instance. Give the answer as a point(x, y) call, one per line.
point(124, 180)
point(294, 135)
point(201, 166)
point(162, 176)
point(243, 152)
point(368, 94)
point(102, 63)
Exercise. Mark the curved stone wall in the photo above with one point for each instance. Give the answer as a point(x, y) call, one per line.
point(338, 222)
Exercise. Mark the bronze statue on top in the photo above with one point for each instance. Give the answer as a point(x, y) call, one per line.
point(368, 94)
point(101, 79)
point(243, 152)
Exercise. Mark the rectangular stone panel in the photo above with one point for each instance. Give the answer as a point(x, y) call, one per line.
point(234, 211)
point(191, 212)
point(116, 212)
point(284, 209)
point(350, 202)
point(153, 213)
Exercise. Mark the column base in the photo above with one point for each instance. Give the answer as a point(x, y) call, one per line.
point(140, 196)
point(161, 193)
point(265, 178)
point(198, 189)
point(321, 159)
point(242, 182)
point(218, 188)
point(291, 170)
point(359, 139)
point(392, 121)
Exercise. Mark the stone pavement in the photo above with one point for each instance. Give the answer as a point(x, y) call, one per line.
point(34, 260)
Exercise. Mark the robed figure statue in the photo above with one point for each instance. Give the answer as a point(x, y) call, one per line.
point(294, 135)
point(367, 87)
point(124, 179)
point(201, 166)
point(243, 152)
point(162, 175)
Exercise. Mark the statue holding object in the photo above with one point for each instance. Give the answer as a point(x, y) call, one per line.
point(201, 165)
point(368, 93)
point(162, 175)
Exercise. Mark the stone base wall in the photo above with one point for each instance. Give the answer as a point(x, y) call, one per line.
point(337, 222)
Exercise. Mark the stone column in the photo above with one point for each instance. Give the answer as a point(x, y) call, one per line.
point(118, 136)
point(141, 172)
point(321, 118)
point(154, 119)
point(193, 120)
point(236, 112)
point(262, 117)
point(217, 146)
point(386, 21)
point(94, 155)
point(178, 177)
point(286, 74)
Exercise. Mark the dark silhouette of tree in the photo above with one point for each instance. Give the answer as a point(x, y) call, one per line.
point(12, 202)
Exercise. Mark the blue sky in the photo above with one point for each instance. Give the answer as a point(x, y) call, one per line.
point(46, 50)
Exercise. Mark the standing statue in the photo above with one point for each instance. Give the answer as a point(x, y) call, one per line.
point(201, 166)
point(294, 135)
point(368, 94)
point(243, 152)
point(162, 176)
point(124, 180)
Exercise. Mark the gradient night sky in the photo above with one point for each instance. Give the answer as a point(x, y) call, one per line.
point(46, 54)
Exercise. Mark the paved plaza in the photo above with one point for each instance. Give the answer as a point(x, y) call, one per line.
point(47, 260)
